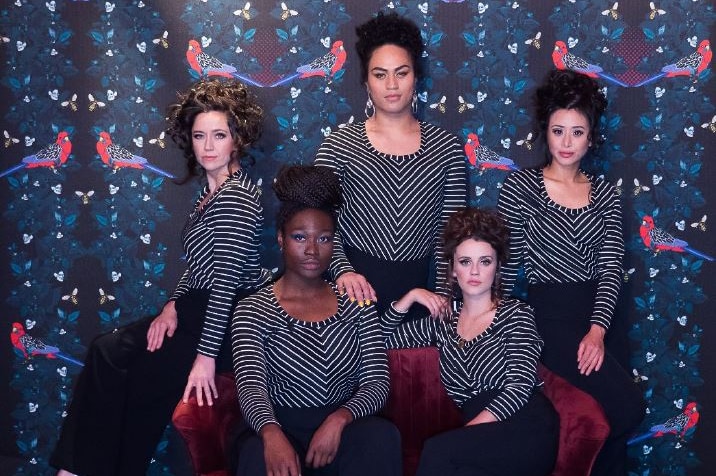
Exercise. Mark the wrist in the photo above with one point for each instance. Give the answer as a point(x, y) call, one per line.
point(398, 308)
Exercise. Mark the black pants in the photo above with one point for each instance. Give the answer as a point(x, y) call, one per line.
point(562, 312)
point(370, 446)
point(125, 395)
point(391, 279)
point(523, 445)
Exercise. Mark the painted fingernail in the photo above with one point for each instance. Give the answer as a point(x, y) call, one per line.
point(353, 299)
point(360, 303)
point(367, 302)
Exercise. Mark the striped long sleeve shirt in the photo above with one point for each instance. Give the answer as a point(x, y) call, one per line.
point(221, 243)
point(504, 357)
point(564, 245)
point(283, 361)
point(395, 207)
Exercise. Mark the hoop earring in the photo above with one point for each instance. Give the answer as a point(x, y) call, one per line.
point(369, 108)
point(414, 104)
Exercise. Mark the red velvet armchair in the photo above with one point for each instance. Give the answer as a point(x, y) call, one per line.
point(419, 407)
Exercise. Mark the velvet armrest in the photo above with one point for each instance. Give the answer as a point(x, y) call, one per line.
point(205, 429)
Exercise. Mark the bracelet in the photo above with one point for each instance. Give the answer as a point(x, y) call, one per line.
point(397, 309)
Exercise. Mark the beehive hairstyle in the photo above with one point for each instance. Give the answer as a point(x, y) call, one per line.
point(566, 89)
point(244, 116)
point(299, 187)
point(389, 29)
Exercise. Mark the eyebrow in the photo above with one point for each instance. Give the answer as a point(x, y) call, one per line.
point(378, 68)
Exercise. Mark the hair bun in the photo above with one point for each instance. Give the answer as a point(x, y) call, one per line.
point(309, 186)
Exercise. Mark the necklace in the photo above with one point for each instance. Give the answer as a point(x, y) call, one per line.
point(461, 341)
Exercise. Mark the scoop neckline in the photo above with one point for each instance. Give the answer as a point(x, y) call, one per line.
point(317, 324)
point(369, 145)
point(552, 203)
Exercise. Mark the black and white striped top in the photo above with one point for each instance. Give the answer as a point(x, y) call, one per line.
point(504, 357)
point(221, 243)
point(395, 207)
point(564, 245)
point(283, 361)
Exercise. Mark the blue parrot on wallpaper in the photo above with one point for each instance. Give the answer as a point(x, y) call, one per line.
point(324, 66)
point(207, 65)
point(563, 59)
point(678, 425)
point(31, 346)
point(692, 65)
point(485, 158)
point(660, 240)
point(116, 156)
point(51, 156)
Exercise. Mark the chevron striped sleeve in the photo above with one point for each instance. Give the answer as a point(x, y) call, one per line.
point(504, 357)
point(286, 362)
point(395, 207)
point(556, 244)
point(221, 243)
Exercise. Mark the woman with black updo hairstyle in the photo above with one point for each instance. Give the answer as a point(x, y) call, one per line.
point(489, 348)
point(566, 230)
point(310, 364)
point(134, 377)
point(401, 178)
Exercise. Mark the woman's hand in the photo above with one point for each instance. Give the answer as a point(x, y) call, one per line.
point(164, 324)
point(324, 444)
point(485, 416)
point(590, 354)
point(357, 287)
point(280, 457)
point(438, 305)
point(201, 379)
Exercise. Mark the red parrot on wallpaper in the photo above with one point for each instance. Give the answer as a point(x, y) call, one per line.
point(117, 157)
point(483, 157)
point(691, 65)
point(324, 66)
point(563, 59)
point(207, 65)
point(660, 240)
point(31, 346)
point(677, 425)
point(52, 156)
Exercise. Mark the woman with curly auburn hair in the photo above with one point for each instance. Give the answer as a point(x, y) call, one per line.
point(489, 349)
point(310, 365)
point(566, 230)
point(134, 376)
point(401, 177)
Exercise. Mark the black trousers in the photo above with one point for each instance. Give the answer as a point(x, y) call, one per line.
point(523, 445)
point(391, 279)
point(370, 446)
point(562, 312)
point(124, 396)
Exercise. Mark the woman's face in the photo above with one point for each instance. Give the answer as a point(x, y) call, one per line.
point(212, 142)
point(474, 267)
point(307, 243)
point(568, 136)
point(391, 79)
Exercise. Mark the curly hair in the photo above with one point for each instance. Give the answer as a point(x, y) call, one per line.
point(244, 116)
point(566, 89)
point(299, 187)
point(389, 29)
point(480, 225)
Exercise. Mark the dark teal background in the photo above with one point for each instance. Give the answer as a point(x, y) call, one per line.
point(88, 228)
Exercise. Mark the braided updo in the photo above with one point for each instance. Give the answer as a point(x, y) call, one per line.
point(299, 187)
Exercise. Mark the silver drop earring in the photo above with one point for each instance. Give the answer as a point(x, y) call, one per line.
point(414, 104)
point(369, 108)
